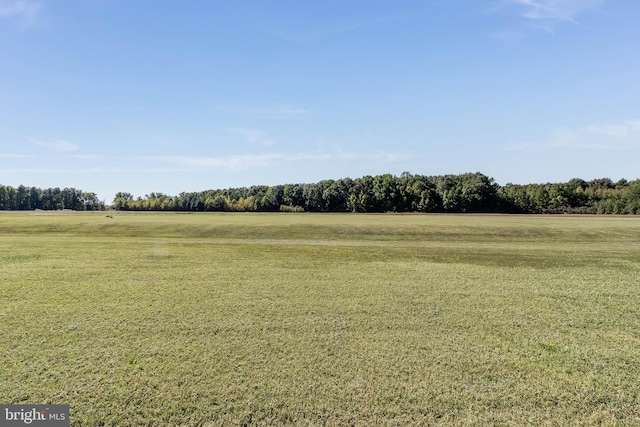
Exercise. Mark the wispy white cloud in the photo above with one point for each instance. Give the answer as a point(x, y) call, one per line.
point(96, 170)
point(616, 136)
point(554, 10)
point(57, 145)
point(254, 136)
point(14, 156)
point(247, 161)
point(387, 157)
point(624, 135)
point(620, 130)
point(86, 156)
point(24, 11)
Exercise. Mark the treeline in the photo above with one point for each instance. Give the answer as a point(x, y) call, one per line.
point(32, 198)
point(470, 192)
point(598, 196)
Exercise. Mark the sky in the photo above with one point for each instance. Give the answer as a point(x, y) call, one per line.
point(169, 96)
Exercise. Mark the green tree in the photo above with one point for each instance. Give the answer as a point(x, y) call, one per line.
point(293, 195)
point(217, 203)
point(122, 201)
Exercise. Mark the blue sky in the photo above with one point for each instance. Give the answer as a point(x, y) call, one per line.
point(170, 96)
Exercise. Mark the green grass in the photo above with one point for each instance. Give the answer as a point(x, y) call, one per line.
point(303, 319)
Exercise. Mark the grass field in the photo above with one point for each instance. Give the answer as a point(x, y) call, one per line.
point(304, 319)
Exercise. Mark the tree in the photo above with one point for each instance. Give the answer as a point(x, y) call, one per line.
point(361, 195)
point(312, 194)
point(272, 199)
point(385, 193)
point(122, 201)
point(293, 195)
point(469, 192)
point(420, 195)
point(633, 190)
point(336, 195)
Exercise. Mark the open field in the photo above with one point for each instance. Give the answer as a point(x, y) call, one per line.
point(305, 319)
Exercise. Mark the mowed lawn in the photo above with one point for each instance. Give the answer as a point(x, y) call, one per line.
point(322, 319)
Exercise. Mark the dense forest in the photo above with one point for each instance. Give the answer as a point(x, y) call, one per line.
point(32, 198)
point(470, 192)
